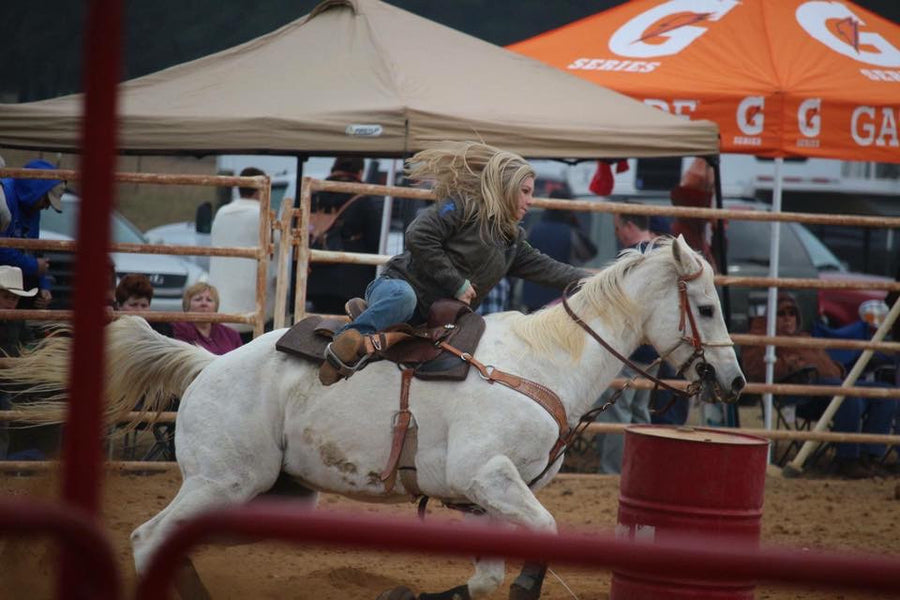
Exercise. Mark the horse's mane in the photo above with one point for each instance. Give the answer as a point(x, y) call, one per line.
point(601, 296)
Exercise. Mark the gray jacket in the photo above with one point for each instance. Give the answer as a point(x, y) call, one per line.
point(442, 252)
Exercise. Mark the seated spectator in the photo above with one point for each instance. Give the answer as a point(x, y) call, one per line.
point(134, 294)
point(215, 337)
point(871, 315)
point(870, 415)
point(14, 334)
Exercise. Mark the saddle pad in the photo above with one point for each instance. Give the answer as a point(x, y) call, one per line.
point(303, 341)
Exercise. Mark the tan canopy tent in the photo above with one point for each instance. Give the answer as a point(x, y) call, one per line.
point(362, 76)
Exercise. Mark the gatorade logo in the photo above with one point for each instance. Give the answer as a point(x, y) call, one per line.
point(809, 122)
point(668, 28)
point(836, 26)
point(750, 117)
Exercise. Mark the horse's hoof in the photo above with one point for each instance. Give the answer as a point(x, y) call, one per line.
point(397, 593)
point(526, 587)
point(458, 593)
point(516, 592)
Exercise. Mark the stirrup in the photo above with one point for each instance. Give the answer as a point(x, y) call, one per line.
point(340, 366)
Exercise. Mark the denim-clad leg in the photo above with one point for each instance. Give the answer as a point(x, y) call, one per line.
point(878, 418)
point(391, 301)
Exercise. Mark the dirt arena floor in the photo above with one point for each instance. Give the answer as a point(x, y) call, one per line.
point(809, 513)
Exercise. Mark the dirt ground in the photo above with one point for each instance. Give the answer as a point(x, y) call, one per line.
point(808, 513)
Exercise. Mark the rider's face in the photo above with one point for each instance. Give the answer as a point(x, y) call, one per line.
point(526, 197)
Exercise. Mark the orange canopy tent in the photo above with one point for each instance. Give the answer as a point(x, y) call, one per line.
point(780, 77)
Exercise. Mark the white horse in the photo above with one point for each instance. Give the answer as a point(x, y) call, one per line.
point(254, 414)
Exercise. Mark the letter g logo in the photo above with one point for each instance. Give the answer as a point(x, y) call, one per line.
point(750, 117)
point(809, 119)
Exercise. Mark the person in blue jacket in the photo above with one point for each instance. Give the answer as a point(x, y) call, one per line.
point(25, 199)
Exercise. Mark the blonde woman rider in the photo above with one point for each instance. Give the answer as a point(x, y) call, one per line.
point(458, 248)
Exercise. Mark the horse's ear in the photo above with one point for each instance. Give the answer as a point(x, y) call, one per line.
point(684, 256)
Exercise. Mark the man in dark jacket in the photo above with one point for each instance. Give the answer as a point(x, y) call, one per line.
point(25, 199)
point(356, 229)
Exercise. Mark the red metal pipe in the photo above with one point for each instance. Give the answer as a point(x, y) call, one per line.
point(711, 559)
point(77, 532)
point(82, 448)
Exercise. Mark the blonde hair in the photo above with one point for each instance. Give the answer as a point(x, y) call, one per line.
point(199, 288)
point(484, 180)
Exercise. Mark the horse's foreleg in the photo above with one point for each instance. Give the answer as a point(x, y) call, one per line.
point(498, 488)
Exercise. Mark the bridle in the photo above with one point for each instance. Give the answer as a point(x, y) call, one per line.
point(703, 368)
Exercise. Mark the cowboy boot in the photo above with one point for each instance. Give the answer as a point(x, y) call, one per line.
point(342, 357)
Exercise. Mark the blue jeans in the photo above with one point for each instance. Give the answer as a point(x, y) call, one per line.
point(856, 414)
point(391, 301)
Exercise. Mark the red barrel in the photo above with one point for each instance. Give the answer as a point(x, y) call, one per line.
point(683, 481)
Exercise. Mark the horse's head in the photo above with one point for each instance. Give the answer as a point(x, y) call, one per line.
point(685, 324)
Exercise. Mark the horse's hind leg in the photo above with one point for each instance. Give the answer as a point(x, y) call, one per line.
point(196, 495)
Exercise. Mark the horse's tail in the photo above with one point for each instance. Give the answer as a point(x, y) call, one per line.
point(146, 371)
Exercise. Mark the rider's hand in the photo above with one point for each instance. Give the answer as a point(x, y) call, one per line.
point(467, 294)
point(42, 265)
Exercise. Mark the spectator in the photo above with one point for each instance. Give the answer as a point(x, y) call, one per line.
point(460, 247)
point(14, 334)
point(345, 223)
point(134, 294)
point(632, 406)
point(871, 415)
point(558, 235)
point(215, 337)
point(237, 224)
point(25, 199)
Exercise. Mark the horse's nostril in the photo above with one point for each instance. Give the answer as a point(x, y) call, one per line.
point(738, 384)
point(706, 371)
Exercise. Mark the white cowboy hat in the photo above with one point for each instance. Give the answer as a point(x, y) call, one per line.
point(11, 281)
point(55, 196)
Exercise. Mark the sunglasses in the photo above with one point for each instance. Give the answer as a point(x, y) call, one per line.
point(788, 312)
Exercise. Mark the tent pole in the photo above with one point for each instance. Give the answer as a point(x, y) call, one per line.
point(721, 250)
point(292, 291)
point(733, 416)
point(386, 214)
point(772, 303)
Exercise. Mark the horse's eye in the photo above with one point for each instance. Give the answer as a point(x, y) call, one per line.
point(706, 310)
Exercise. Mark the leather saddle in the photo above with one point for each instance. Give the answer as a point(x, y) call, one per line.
point(449, 321)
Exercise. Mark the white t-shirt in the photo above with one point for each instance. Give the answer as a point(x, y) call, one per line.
point(237, 224)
